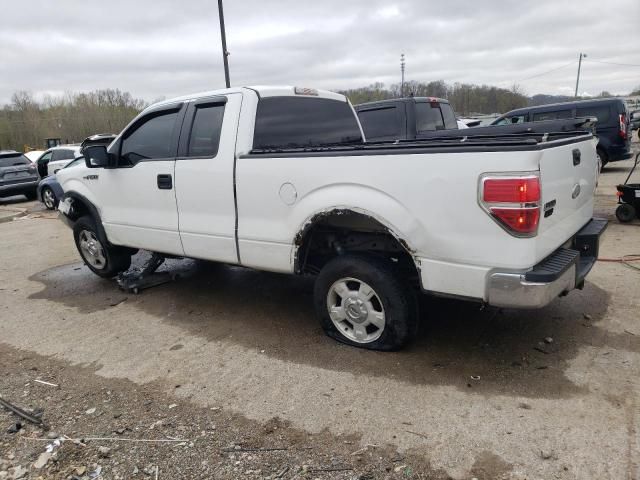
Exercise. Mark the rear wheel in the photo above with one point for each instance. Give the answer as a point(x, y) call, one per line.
point(602, 157)
point(362, 302)
point(625, 212)
point(49, 198)
point(103, 260)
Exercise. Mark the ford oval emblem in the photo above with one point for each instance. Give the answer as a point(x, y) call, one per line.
point(576, 191)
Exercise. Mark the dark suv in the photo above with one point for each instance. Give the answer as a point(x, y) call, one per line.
point(612, 129)
point(17, 175)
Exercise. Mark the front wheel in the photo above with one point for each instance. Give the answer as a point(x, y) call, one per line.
point(362, 302)
point(49, 198)
point(103, 260)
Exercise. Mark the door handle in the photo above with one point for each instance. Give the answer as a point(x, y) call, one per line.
point(576, 157)
point(165, 182)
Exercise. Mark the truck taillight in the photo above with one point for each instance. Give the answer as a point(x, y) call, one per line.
point(512, 201)
point(622, 118)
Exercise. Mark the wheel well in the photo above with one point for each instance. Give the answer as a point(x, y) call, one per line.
point(340, 231)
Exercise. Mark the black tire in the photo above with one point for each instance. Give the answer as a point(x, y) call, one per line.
point(44, 195)
point(396, 299)
point(604, 158)
point(116, 259)
point(625, 213)
point(31, 195)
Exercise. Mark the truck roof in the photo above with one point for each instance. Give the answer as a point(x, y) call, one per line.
point(262, 91)
point(403, 100)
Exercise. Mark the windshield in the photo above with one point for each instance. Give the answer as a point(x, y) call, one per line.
point(14, 160)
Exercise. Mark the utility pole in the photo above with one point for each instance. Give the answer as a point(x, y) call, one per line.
point(402, 75)
point(582, 55)
point(225, 53)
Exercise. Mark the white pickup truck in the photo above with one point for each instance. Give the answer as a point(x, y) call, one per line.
point(280, 179)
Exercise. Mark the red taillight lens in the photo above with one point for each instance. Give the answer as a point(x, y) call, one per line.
point(511, 190)
point(519, 220)
point(513, 202)
point(623, 125)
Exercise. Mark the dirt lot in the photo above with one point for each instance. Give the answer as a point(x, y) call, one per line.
point(228, 373)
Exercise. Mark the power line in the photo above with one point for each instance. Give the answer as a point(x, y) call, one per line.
point(548, 71)
point(615, 63)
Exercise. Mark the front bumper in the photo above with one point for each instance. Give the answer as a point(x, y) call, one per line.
point(559, 273)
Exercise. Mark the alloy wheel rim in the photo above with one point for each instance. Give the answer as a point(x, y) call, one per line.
point(49, 200)
point(356, 310)
point(92, 250)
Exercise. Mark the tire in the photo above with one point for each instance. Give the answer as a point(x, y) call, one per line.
point(105, 261)
point(49, 198)
point(604, 158)
point(625, 213)
point(373, 291)
point(31, 195)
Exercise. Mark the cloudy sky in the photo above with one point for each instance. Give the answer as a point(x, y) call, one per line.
point(164, 48)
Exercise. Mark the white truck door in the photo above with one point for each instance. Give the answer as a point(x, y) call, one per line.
point(137, 198)
point(205, 178)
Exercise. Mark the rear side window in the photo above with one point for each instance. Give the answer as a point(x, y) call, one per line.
point(150, 139)
point(428, 117)
point(14, 160)
point(205, 131)
point(449, 116)
point(62, 154)
point(603, 113)
point(304, 122)
point(558, 114)
point(380, 123)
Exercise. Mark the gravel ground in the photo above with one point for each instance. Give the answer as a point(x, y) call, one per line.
point(231, 366)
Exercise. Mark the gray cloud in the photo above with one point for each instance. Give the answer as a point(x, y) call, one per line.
point(155, 48)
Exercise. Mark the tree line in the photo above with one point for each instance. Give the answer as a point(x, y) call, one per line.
point(26, 122)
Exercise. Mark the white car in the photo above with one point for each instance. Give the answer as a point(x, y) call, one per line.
point(34, 155)
point(56, 158)
point(280, 179)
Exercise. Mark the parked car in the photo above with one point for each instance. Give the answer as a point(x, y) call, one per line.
point(405, 118)
point(49, 190)
point(55, 158)
point(612, 129)
point(18, 175)
point(279, 179)
point(34, 155)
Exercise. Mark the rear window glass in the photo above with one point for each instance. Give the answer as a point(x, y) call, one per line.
point(205, 132)
point(380, 123)
point(428, 118)
point(63, 155)
point(449, 116)
point(13, 160)
point(558, 114)
point(303, 122)
point(602, 113)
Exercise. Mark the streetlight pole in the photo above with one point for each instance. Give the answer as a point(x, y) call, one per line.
point(225, 53)
point(582, 55)
point(402, 75)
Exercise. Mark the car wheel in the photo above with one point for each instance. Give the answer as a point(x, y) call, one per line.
point(31, 195)
point(602, 157)
point(625, 212)
point(49, 198)
point(103, 260)
point(361, 301)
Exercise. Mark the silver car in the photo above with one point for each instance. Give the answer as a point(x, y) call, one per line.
point(18, 175)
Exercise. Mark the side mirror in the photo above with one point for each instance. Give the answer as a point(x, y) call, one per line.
point(96, 156)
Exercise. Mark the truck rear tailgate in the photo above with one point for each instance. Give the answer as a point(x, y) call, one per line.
point(568, 175)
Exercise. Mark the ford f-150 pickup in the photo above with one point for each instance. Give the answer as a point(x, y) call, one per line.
point(281, 179)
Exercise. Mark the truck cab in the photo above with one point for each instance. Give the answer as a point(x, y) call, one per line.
point(405, 118)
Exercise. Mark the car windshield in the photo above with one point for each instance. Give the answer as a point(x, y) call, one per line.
point(75, 162)
point(14, 160)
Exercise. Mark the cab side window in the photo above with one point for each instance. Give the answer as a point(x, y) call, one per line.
point(152, 137)
point(558, 114)
point(62, 155)
point(205, 131)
